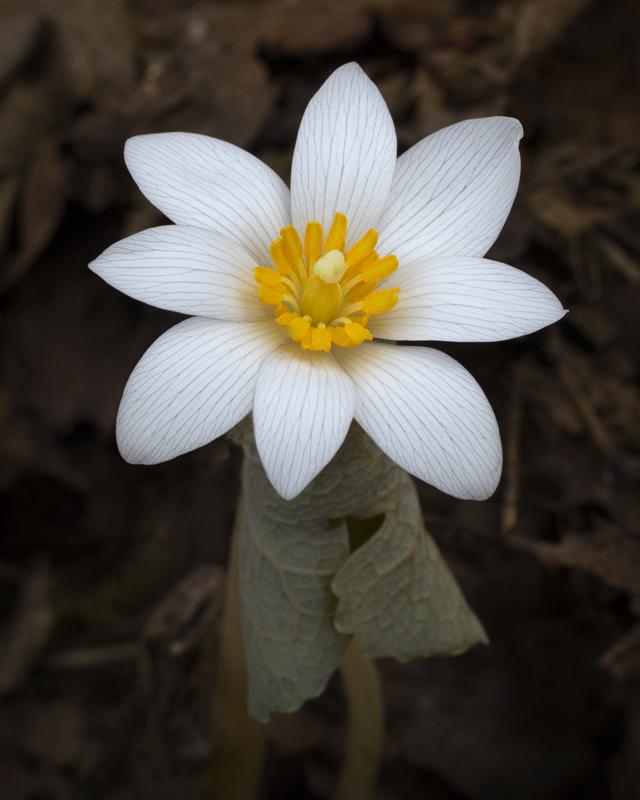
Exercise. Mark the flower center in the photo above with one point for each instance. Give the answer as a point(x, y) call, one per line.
point(322, 293)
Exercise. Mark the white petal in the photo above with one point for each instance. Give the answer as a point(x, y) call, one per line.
point(345, 154)
point(429, 415)
point(452, 192)
point(194, 383)
point(302, 411)
point(197, 180)
point(466, 299)
point(184, 269)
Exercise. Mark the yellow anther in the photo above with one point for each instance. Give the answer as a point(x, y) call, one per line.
point(336, 236)
point(379, 269)
point(270, 296)
point(355, 270)
point(380, 302)
point(292, 244)
point(330, 267)
point(268, 276)
point(321, 296)
point(339, 337)
point(312, 243)
point(362, 248)
point(358, 290)
point(321, 338)
point(279, 258)
point(298, 327)
point(357, 333)
point(285, 317)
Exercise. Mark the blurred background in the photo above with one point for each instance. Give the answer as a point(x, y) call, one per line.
point(110, 574)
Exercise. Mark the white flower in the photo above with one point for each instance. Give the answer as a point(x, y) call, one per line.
point(290, 339)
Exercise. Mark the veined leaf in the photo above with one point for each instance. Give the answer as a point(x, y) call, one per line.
point(397, 593)
point(303, 594)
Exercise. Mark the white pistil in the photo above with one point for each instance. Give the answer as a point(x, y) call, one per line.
point(330, 267)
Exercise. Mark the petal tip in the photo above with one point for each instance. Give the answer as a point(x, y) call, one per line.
point(284, 482)
point(134, 145)
point(556, 313)
point(99, 266)
point(289, 493)
point(125, 454)
point(477, 491)
point(350, 66)
point(131, 145)
point(515, 127)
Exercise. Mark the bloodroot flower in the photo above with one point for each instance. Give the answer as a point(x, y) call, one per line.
point(296, 298)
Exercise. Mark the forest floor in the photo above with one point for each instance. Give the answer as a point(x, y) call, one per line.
point(101, 678)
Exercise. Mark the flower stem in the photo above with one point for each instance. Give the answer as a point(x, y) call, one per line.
point(365, 731)
point(236, 767)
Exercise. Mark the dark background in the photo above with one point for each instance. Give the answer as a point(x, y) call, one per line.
point(101, 696)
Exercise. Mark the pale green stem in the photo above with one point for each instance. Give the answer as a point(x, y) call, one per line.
point(365, 727)
point(239, 741)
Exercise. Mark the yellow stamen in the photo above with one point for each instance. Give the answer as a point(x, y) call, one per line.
point(305, 342)
point(380, 302)
point(292, 242)
point(355, 270)
point(321, 339)
point(358, 290)
point(298, 327)
point(279, 257)
point(339, 337)
point(357, 333)
point(268, 276)
point(379, 269)
point(362, 248)
point(270, 296)
point(292, 246)
point(337, 233)
point(312, 243)
point(323, 297)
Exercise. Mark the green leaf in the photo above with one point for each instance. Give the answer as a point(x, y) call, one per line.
point(397, 593)
point(303, 593)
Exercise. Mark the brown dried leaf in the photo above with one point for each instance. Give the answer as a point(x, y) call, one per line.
point(608, 405)
point(177, 91)
point(623, 658)
point(97, 47)
point(471, 77)
point(304, 28)
point(612, 555)
point(28, 631)
point(41, 206)
point(538, 24)
point(20, 30)
point(8, 192)
point(57, 734)
point(565, 213)
point(410, 25)
point(548, 396)
point(29, 113)
point(595, 323)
